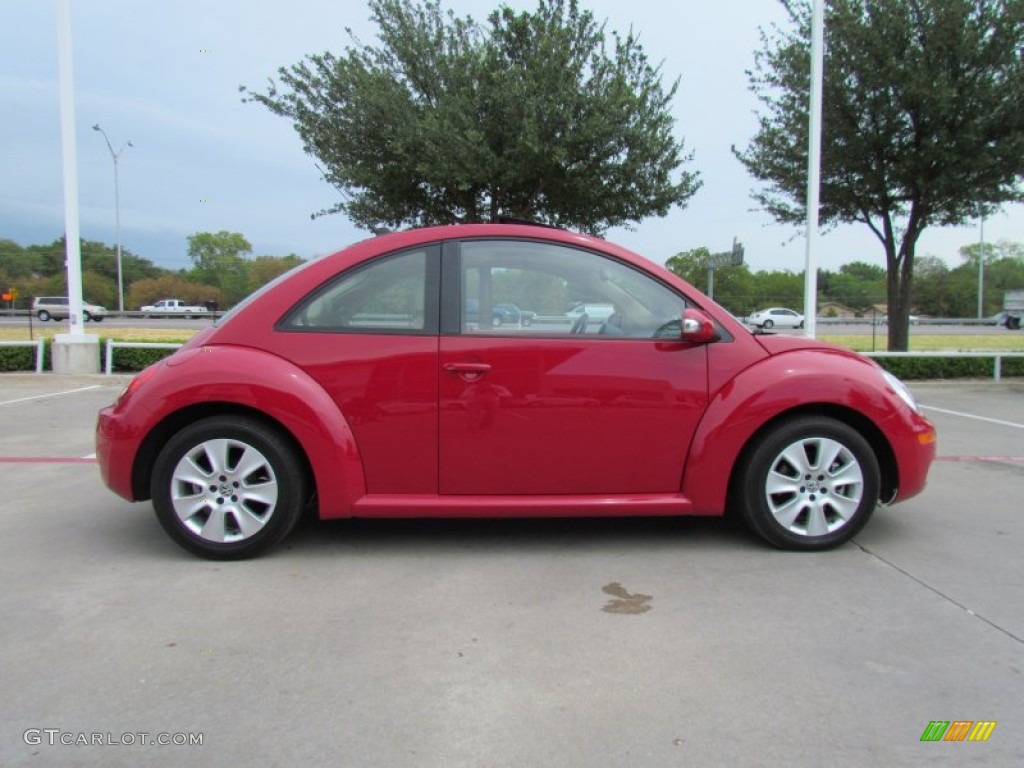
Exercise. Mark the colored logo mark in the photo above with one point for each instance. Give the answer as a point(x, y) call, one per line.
point(958, 730)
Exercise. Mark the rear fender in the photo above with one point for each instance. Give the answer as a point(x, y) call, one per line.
point(231, 378)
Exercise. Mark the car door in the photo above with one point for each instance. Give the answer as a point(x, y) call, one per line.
point(562, 406)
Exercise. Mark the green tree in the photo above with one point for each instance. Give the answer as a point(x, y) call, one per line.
point(534, 115)
point(779, 288)
point(1004, 271)
point(218, 259)
point(932, 287)
point(735, 287)
point(263, 269)
point(168, 286)
point(923, 121)
point(858, 285)
point(16, 262)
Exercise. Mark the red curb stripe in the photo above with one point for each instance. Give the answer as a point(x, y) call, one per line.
point(43, 460)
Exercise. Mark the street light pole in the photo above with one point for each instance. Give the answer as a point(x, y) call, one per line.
point(981, 270)
point(115, 156)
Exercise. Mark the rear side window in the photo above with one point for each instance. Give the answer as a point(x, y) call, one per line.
point(389, 294)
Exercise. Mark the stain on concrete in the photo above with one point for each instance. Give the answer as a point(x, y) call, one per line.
point(626, 603)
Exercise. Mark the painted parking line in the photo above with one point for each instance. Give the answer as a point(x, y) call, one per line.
point(47, 460)
point(52, 394)
point(974, 416)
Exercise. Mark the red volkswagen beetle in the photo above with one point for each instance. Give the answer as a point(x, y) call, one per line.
point(358, 385)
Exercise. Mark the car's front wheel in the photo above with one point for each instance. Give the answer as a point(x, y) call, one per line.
point(228, 487)
point(768, 324)
point(810, 483)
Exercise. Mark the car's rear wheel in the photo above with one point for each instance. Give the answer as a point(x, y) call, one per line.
point(43, 315)
point(809, 484)
point(496, 321)
point(228, 487)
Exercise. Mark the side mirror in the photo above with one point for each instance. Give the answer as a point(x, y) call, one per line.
point(697, 327)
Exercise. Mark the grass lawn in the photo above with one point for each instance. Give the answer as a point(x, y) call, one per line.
point(49, 330)
point(1010, 342)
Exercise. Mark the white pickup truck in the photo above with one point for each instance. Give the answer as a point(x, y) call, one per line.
point(175, 308)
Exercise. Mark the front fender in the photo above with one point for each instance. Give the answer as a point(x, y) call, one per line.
point(794, 381)
point(205, 378)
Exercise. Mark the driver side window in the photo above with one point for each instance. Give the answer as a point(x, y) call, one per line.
point(519, 287)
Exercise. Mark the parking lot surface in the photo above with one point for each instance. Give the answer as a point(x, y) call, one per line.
point(508, 643)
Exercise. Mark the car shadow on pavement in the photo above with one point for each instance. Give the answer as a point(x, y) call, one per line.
point(314, 538)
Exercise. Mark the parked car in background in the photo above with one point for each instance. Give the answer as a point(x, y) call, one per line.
point(511, 313)
point(501, 314)
point(306, 396)
point(776, 317)
point(57, 308)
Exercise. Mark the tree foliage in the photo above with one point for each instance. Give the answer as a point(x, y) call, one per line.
point(219, 260)
point(220, 273)
point(923, 124)
point(263, 269)
point(534, 115)
point(168, 286)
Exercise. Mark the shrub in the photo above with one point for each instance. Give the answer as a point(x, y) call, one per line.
point(19, 358)
point(126, 359)
point(949, 367)
point(131, 359)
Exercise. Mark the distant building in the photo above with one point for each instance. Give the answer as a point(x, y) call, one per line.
point(835, 309)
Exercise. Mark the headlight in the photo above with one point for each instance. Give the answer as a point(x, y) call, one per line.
point(901, 389)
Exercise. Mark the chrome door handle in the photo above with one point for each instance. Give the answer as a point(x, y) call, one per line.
point(467, 370)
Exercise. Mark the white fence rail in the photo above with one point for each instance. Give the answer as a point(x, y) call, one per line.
point(38, 344)
point(997, 368)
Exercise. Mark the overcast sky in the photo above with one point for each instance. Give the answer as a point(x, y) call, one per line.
point(165, 76)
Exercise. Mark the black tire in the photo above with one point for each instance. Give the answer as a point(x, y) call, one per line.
point(97, 319)
point(820, 507)
point(768, 324)
point(43, 315)
point(801, 324)
point(267, 494)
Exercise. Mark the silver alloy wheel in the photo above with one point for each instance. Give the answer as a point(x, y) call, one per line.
point(814, 486)
point(224, 490)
